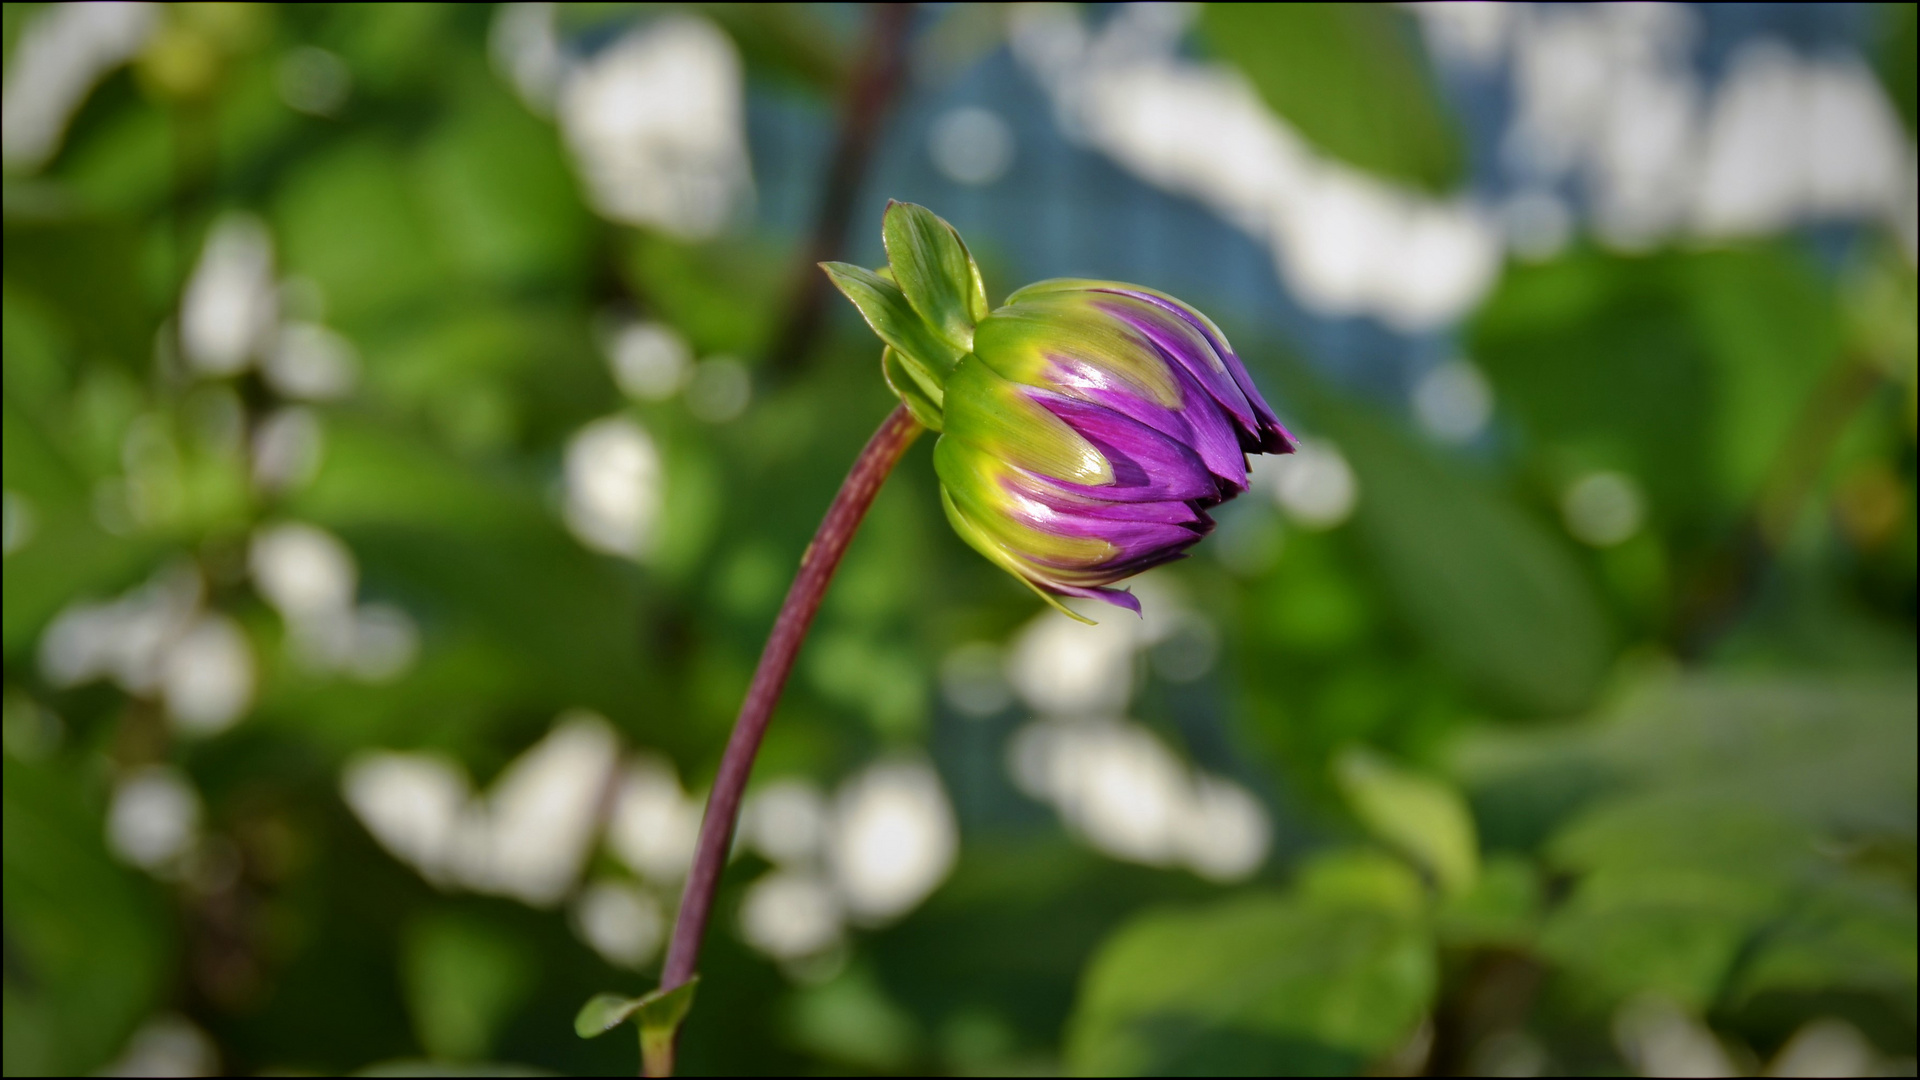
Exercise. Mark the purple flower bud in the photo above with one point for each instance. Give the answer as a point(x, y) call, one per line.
point(1087, 426)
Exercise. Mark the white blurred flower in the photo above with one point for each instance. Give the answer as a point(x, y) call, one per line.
point(1607, 95)
point(1345, 242)
point(614, 487)
point(719, 390)
point(154, 817)
point(305, 572)
point(541, 815)
point(1112, 782)
point(1062, 667)
point(620, 921)
point(1827, 1047)
point(1314, 485)
point(1603, 508)
point(785, 820)
point(207, 677)
point(125, 639)
point(167, 1045)
point(971, 145)
point(385, 643)
point(412, 804)
point(313, 81)
point(309, 362)
point(528, 838)
point(287, 448)
point(651, 360)
point(1538, 224)
point(228, 314)
point(1120, 789)
point(62, 52)
point(892, 841)
point(656, 122)
point(973, 679)
point(1467, 33)
point(655, 824)
point(1790, 139)
point(790, 915)
point(20, 523)
point(1659, 1039)
point(1453, 401)
point(1224, 834)
point(310, 577)
point(526, 49)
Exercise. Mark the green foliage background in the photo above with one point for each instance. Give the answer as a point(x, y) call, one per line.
point(1519, 782)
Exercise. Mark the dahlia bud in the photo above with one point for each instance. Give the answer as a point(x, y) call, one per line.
point(1086, 426)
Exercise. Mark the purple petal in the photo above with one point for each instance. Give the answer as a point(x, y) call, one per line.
point(1116, 597)
point(1198, 423)
point(1272, 436)
point(1147, 465)
point(1134, 539)
point(1170, 512)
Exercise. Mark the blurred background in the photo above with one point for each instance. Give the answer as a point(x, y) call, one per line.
point(413, 416)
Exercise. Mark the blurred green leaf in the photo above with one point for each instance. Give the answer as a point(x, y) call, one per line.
point(1420, 815)
point(724, 294)
point(852, 1020)
point(1854, 932)
point(1836, 754)
point(86, 272)
point(495, 183)
point(463, 978)
point(789, 42)
point(1352, 78)
point(351, 220)
point(88, 944)
point(1258, 984)
point(1493, 594)
point(1710, 851)
point(1362, 877)
point(1670, 890)
point(1502, 909)
point(1894, 60)
point(1687, 371)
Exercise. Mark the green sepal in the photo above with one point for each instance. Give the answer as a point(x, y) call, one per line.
point(923, 399)
point(978, 539)
point(935, 271)
point(1000, 418)
point(886, 309)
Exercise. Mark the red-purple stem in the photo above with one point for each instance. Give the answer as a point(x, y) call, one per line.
point(817, 565)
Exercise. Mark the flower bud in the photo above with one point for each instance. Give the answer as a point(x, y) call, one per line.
point(1086, 426)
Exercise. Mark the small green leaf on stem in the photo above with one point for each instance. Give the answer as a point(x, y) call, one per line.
point(604, 1012)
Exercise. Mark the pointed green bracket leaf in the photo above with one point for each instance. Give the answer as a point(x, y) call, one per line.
point(658, 1015)
point(935, 271)
point(922, 358)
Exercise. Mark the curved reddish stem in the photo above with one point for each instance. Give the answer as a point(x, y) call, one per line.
point(817, 565)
